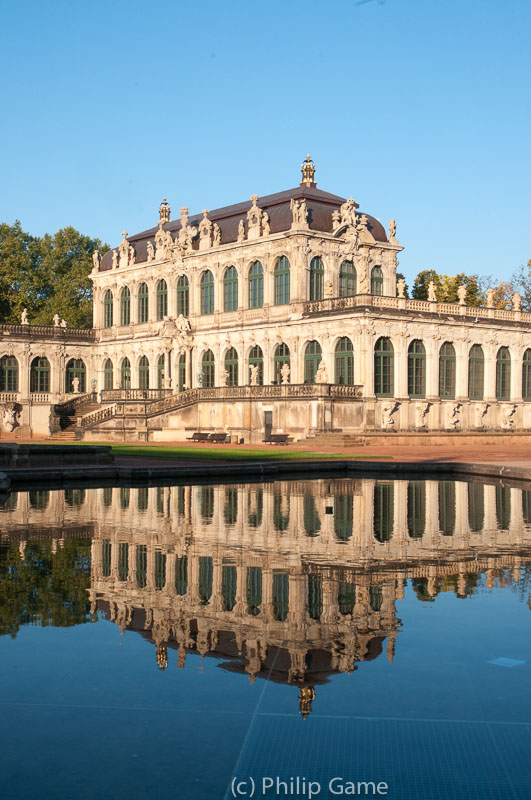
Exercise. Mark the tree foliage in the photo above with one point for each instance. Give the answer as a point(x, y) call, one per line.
point(47, 275)
point(446, 287)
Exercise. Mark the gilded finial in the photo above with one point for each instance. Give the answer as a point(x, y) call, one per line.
point(164, 211)
point(162, 657)
point(306, 697)
point(308, 172)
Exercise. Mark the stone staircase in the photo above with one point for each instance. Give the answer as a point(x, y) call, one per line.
point(336, 439)
point(68, 414)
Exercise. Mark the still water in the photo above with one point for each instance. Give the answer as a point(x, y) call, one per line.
point(162, 641)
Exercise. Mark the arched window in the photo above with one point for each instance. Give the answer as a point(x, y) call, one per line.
point(206, 573)
point(316, 278)
point(476, 507)
point(125, 374)
point(160, 569)
point(142, 498)
point(416, 369)
point(183, 296)
point(181, 574)
point(416, 509)
point(344, 362)
point(39, 498)
point(230, 510)
point(108, 376)
point(229, 580)
point(343, 516)
point(123, 561)
point(8, 374)
point(476, 370)
point(503, 507)
point(107, 309)
point(384, 358)
point(141, 566)
point(346, 597)
point(162, 299)
point(310, 515)
point(231, 366)
point(143, 300)
point(125, 306)
point(181, 373)
point(315, 597)
point(280, 358)
point(282, 281)
point(161, 364)
point(75, 369)
point(312, 358)
point(207, 292)
point(75, 497)
point(207, 367)
point(384, 511)
point(503, 374)
point(526, 375)
point(377, 281)
point(347, 279)
point(280, 511)
point(447, 371)
point(256, 285)
point(255, 507)
point(40, 375)
point(280, 595)
point(143, 373)
point(230, 289)
point(254, 590)
point(256, 359)
point(375, 597)
point(447, 507)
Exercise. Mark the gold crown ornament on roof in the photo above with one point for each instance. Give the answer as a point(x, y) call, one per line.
point(308, 172)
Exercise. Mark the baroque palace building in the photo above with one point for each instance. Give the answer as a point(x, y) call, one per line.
point(282, 314)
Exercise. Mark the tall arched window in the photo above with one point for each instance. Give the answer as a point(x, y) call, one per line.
point(503, 374)
point(377, 281)
point(526, 375)
point(316, 278)
point(75, 369)
point(416, 369)
point(230, 289)
point(312, 358)
point(40, 375)
point(384, 511)
point(207, 367)
point(125, 374)
point(108, 375)
point(181, 373)
point(416, 509)
point(207, 292)
point(476, 371)
point(231, 366)
point(125, 306)
point(447, 371)
point(476, 507)
point(343, 516)
point(256, 359)
point(447, 507)
point(384, 358)
point(143, 299)
point(282, 281)
point(347, 279)
point(107, 309)
point(143, 373)
point(183, 296)
point(344, 362)
point(503, 507)
point(162, 299)
point(256, 285)
point(161, 369)
point(280, 358)
point(8, 374)
point(280, 595)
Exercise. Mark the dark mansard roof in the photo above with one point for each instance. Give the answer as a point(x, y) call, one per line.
point(320, 206)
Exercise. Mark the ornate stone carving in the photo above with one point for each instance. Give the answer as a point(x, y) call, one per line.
point(114, 259)
point(299, 214)
point(321, 374)
point(187, 232)
point(508, 416)
point(164, 211)
point(96, 260)
point(24, 317)
point(205, 232)
point(421, 413)
point(432, 293)
point(285, 373)
point(481, 413)
point(241, 231)
point(453, 415)
point(328, 289)
point(216, 235)
point(401, 287)
point(254, 218)
point(11, 416)
point(163, 243)
point(132, 255)
point(388, 415)
point(490, 298)
point(56, 320)
point(253, 370)
point(266, 227)
point(461, 294)
point(150, 251)
point(123, 251)
point(517, 302)
point(392, 230)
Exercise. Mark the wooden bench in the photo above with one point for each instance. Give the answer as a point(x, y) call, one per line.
point(218, 438)
point(198, 437)
point(278, 438)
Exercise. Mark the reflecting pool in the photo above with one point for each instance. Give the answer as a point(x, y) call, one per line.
point(164, 641)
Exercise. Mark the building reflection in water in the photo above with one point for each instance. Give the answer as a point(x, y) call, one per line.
point(290, 581)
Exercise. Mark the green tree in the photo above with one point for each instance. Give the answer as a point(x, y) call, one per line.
point(446, 287)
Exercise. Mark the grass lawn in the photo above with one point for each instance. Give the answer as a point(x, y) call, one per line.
point(215, 454)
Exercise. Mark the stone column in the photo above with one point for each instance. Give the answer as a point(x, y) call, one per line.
point(516, 376)
point(490, 373)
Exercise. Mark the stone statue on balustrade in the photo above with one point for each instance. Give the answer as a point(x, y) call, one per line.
point(432, 292)
point(285, 373)
point(321, 374)
point(517, 302)
point(96, 260)
point(241, 231)
point(24, 317)
point(216, 231)
point(56, 320)
point(75, 385)
point(253, 375)
point(490, 298)
point(461, 294)
point(150, 251)
point(225, 377)
point(401, 287)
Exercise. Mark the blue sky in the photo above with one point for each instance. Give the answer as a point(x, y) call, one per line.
point(419, 109)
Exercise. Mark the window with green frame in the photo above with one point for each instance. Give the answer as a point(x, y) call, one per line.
point(256, 285)
point(75, 368)
point(280, 357)
point(416, 509)
point(343, 516)
point(143, 303)
point(181, 575)
point(39, 498)
point(229, 586)
point(255, 507)
point(280, 595)
point(181, 373)
point(161, 371)
point(206, 503)
point(310, 515)
point(344, 362)
point(280, 512)
point(347, 279)
point(125, 374)
point(384, 358)
point(40, 375)
point(312, 358)
point(141, 566)
point(123, 561)
point(447, 371)
point(526, 506)
point(107, 496)
point(377, 281)
point(125, 496)
point(476, 371)
point(160, 570)
point(107, 309)
point(125, 306)
point(162, 299)
point(384, 511)
point(503, 507)
point(106, 557)
point(142, 498)
point(526, 375)
point(315, 597)
point(206, 291)
point(230, 509)
point(346, 597)
point(206, 572)
point(75, 497)
point(143, 373)
point(231, 366)
point(208, 369)
point(416, 369)
point(503, 374)
point(108, 374)
point(316, 278)
point(160, 500)
point(254, 590)
point(183, 296)
point(8, 374)
point(230, 289)
point(281, 277)
point(476, 507)
point(375, 598)
point(256, 359)
point(447, 507)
